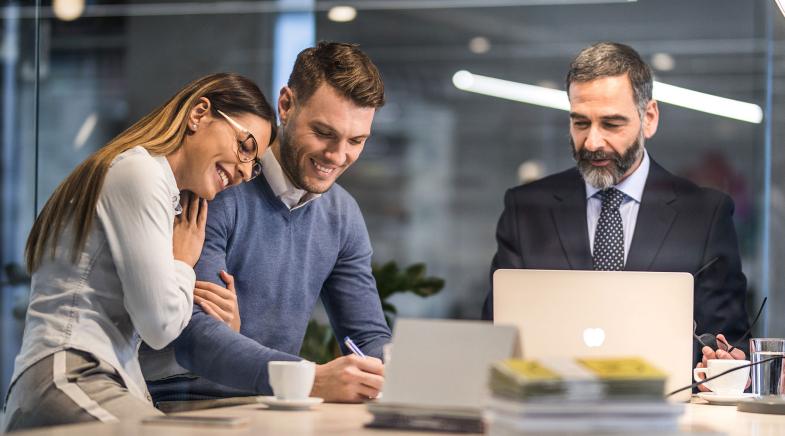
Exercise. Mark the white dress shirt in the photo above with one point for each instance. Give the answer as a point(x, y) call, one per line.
point(632, 187)
point(283, 188)
point(125, 287)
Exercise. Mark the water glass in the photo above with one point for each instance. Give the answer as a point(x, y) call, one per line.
point(767, 377)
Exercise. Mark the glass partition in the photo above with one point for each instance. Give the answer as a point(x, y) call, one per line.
point(432, 180)
point(432, 177)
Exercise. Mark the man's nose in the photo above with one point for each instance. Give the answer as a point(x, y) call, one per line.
point(594, 140)
point(336, 152)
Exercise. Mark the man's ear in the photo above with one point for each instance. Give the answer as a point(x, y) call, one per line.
point(200, 110)
point(651, 119)
point(285, 104)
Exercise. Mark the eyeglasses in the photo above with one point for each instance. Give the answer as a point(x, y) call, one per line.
point(246, 148)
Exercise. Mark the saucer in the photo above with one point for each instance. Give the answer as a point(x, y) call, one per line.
point(275, 403)
point(727, 400)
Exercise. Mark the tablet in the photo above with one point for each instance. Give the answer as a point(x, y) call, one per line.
point(213, 421)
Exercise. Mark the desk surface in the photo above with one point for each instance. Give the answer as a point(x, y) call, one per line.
point(344, 419)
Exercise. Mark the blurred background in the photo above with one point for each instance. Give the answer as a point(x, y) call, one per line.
point(432, 177)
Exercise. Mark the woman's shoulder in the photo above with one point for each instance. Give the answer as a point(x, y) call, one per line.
point(133, 158)
point(136, 171)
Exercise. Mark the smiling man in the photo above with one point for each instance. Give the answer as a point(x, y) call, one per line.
point(289, 238)
point(619, 209)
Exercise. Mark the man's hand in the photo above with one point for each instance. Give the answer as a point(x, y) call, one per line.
point(218, 302)
point(720, 353)
point(349, 379)
point(188, 232)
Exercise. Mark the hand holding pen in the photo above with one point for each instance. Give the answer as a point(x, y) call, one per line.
point(353, 347)
point(349, 379)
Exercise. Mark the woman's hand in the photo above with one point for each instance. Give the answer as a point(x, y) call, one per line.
point(188, 235)
point(218, 302)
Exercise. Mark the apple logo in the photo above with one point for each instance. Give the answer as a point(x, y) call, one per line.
point(593, 337)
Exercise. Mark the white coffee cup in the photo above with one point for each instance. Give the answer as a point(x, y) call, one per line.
point(732, 383)
point(291, 380)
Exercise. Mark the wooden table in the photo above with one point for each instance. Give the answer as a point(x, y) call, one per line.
point(348, 420)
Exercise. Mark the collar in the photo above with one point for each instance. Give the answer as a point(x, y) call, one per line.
point(282, 187)
point(171, 183)
point(633, 185)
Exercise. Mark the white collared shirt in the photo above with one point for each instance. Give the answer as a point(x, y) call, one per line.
point(125, 285)
point(632, 188)
point(283, 188)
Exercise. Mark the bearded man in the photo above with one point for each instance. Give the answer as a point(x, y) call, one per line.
point(620, 210)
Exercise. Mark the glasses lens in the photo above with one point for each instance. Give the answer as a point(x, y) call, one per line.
point(256, 169)
point(247, 149)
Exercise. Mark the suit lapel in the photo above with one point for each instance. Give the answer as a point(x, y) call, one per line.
point(655, 218)
point(569, 215)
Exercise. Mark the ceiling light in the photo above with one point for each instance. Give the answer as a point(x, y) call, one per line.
point(522, 92)
point(541, 96)
point(342, 14)
point(68, 10)
point(663, 62)
point(780, 5)
point(712, 104)
point(479, 45)
point(85, 131)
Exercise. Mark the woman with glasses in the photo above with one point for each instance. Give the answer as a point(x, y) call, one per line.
point(112, 252)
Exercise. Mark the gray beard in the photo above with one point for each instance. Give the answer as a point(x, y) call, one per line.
point(606, 177)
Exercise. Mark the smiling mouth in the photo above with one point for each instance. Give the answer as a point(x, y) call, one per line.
point(224, 176)
point(323, 170)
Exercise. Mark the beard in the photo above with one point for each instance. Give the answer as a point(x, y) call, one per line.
point(290, 162)
point(610, 175)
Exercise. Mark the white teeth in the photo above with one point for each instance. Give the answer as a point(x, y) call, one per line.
point(322, 169)
point(224, 176)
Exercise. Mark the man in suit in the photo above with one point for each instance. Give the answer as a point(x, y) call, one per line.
point(619, 209)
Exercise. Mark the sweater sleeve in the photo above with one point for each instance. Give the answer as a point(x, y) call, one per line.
point(136, 212)
point(350, 295)
point(207, 346)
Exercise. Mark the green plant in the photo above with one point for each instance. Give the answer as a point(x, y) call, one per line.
point(320, 345)
point(390, 280)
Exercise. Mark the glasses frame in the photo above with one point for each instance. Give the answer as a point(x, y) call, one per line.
point(256, 168)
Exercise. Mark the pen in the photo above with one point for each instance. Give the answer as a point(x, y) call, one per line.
point(352, 346)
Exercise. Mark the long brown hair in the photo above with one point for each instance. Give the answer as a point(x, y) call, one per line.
point(161, 132)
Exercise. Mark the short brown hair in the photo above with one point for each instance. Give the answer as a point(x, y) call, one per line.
point(605, 59)
point(344, 67)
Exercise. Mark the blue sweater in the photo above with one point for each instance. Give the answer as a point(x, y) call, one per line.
point(282, 261)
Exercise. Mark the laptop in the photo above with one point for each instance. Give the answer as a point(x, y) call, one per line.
point(601, 313)
point(437, 375)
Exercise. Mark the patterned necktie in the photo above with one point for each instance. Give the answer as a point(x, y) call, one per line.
point(609, 237)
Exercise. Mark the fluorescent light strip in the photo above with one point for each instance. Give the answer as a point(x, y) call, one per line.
point(711, 104)
point(556, 99)
point(522, 92)
point(781, 6)
point(85, 131)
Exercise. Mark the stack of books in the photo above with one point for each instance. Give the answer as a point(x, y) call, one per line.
point(574, 396)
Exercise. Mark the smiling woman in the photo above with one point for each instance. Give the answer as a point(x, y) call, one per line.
point(113, 250)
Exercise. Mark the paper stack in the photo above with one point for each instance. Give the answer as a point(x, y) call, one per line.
point(569, 396)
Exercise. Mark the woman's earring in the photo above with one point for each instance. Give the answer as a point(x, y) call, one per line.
point(194, 126)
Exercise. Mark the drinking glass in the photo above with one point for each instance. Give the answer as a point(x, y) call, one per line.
point(767, 377)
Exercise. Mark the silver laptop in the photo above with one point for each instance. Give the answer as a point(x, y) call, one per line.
point(437, 374)
point(601, 313)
